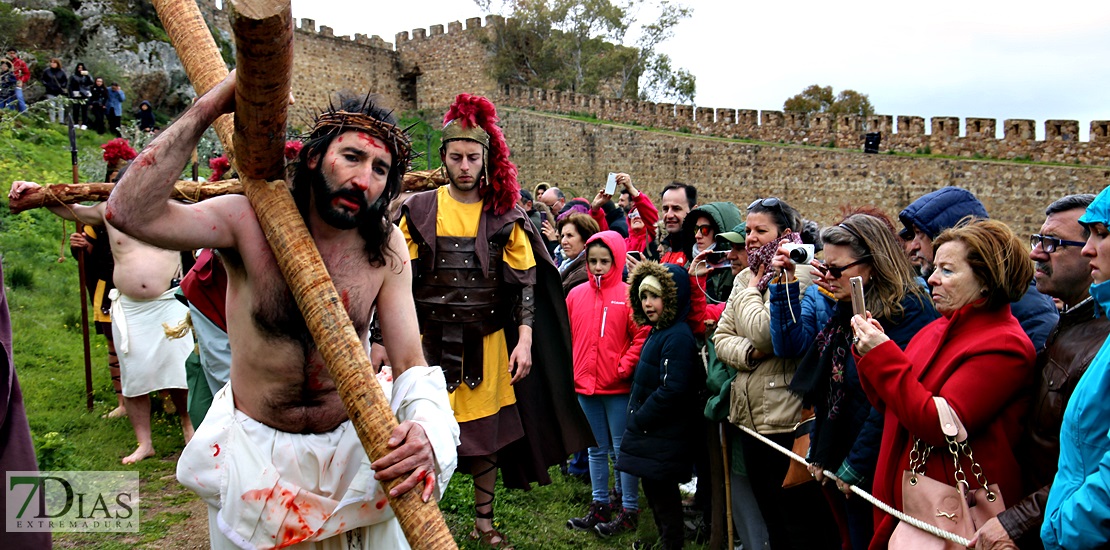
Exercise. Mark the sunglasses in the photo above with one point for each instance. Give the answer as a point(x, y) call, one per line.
point(837, 272)
point(703, 230)
point(1051, 244)
point(770, 202)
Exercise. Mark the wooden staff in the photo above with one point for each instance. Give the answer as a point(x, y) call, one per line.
point(264, 40)
point(80, 227)
point(184, 190)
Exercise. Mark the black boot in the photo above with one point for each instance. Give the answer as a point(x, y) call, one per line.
point(625, 521)
point(598, 512)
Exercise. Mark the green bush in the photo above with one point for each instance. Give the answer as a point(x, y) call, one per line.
point(55, 453)
point(66, 20)
point(10, 20)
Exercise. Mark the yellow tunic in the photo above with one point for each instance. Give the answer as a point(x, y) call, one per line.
point(457, 219)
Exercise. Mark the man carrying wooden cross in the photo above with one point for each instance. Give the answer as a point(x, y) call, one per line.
point(276, 458)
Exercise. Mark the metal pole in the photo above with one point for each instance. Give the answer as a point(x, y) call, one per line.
point(81, 275)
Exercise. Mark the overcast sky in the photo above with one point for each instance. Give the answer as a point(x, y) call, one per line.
point(965, 58)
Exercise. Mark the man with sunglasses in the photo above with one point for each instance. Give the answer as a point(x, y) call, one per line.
point(1063, 273)
point(925, 219)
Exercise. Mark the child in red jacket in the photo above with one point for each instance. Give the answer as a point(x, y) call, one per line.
point(606, 343)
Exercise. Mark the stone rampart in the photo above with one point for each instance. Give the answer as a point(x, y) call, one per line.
point(974, 138)
point(577, 155)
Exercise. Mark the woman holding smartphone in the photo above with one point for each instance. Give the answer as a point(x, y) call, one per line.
point(846, 429)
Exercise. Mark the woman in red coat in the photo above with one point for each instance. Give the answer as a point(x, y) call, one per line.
point(976, 357)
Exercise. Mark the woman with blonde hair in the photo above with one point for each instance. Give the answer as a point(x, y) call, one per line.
point(976, 357)
point(846, 430)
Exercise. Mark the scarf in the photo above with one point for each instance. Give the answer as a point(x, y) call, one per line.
point(763, 255)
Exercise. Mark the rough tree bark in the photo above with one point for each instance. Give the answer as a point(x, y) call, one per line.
point(264, 41)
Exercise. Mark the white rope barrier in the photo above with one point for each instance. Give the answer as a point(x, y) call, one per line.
point(928, 528)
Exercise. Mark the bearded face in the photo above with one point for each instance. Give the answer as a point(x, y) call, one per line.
point(338, 207)
point(464, 161)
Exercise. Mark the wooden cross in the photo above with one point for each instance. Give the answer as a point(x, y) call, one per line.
point(264, 42)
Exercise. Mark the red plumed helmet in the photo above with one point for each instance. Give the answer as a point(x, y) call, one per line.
point(467, 118)
point(118, 151)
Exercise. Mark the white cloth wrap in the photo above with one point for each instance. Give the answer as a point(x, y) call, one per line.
point(149, 361)
point(268, 489)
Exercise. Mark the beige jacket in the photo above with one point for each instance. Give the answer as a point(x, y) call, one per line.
point(760, 397)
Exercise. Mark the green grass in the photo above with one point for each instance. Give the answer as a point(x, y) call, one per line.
point(45, 307)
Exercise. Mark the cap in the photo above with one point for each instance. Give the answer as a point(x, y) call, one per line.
point(736, 236)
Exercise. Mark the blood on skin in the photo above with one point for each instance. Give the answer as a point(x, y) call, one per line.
point(429, 481)
point(346, 300)
point(369, 141)
point(108, 213)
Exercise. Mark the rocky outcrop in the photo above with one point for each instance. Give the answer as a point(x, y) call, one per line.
point(116, 39)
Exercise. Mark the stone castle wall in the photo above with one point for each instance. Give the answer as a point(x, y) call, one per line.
point(426, 68)
point(578, 155)
point(903, 134)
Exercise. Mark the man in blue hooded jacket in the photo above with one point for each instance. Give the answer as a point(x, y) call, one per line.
point(925, 219)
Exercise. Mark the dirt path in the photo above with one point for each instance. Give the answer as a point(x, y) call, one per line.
point(187, 534)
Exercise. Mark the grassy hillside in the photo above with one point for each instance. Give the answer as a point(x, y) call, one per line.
point(45, 307)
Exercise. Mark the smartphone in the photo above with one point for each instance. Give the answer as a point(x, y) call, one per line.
point(716, 257)
point(638, 256)
point(611, 184)
point(859, 307)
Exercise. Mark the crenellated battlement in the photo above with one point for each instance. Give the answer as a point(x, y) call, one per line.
point(426, 67)
point(972, 137)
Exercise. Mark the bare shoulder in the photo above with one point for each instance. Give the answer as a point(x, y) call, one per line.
point(397, 255)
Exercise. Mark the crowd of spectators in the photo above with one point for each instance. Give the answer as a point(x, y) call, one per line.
point(92, 102)
point(779, 341)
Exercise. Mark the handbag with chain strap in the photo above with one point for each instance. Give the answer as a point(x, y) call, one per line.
point(958, 509)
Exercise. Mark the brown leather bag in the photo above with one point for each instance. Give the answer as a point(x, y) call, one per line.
point(798, 474)
point(957, 509)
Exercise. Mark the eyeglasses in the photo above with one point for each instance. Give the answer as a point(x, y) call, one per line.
point(837, 272)
point(770, 202)
point(703, 230)
point(1051, 244)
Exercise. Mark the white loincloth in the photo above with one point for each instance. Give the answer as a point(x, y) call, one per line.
point(148, 360)
point(271, 489)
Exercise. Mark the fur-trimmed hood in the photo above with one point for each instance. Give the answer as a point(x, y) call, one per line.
point(676, 293)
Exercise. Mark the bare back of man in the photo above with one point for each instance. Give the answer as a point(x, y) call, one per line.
point(142, 273)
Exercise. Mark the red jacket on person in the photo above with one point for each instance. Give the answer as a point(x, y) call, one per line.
point(20, 70)
point(981, 362)
point(605, 339)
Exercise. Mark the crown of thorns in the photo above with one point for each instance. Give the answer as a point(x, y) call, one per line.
point(333, 121)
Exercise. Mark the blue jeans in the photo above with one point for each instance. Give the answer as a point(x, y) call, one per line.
point(19, 99)
point(607, 415)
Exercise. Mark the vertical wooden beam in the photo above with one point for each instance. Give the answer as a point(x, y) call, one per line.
point(264, 40)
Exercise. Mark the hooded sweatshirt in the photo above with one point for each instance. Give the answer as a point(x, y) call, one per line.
point(605, 339)
point(146, 117)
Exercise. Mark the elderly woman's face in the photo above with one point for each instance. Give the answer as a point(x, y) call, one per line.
point(571, 241)
point(954, 284)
